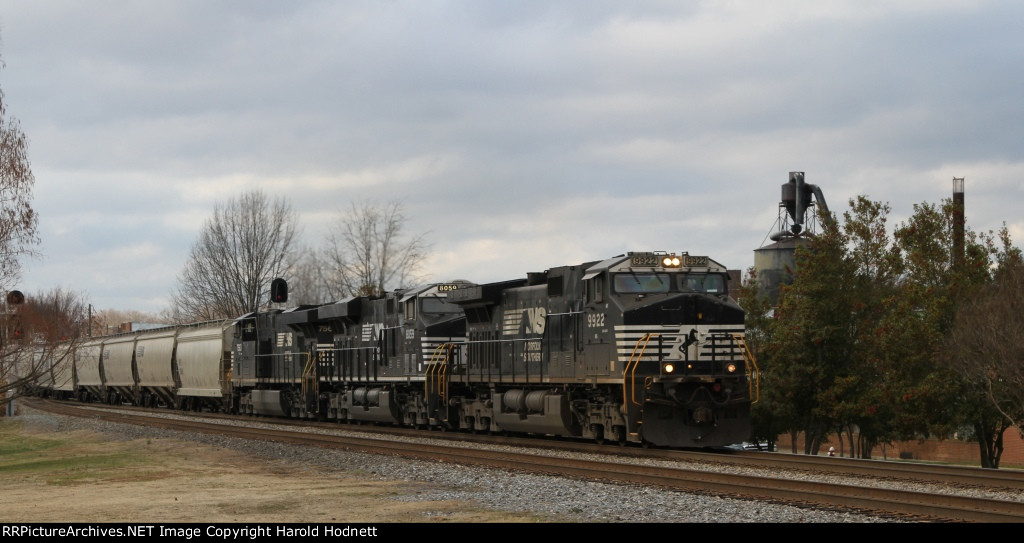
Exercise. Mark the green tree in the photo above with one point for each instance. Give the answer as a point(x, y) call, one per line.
point(769, 415)
point(813, 341)
point(938, 282)
point(860, 328)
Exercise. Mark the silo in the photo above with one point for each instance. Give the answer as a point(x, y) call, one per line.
point(774, 263)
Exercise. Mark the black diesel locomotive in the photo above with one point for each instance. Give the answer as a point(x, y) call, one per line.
point(643, 347)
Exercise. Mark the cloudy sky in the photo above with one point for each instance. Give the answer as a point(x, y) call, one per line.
point(519, 135)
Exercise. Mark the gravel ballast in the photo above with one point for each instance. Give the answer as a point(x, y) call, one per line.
point(563, 499)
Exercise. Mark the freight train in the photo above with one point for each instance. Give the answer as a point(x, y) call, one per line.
point(644, 347)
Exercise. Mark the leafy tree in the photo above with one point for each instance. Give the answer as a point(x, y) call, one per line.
point(813, 342)
point(243, 247)
point(369, 253)
point(769, 415)
point(939, 283)
point(859, 330)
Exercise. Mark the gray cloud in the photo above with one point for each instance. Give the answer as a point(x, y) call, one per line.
point(521, 135)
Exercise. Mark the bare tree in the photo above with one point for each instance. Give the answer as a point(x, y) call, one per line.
point(18, 231)
point(39, 337)
point(368, 254)
point(18, 221)
point(307, 283)
point(241, 249)
point(984, 345)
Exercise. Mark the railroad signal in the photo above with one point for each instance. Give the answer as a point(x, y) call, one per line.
point(15, 297)
point(279, 291)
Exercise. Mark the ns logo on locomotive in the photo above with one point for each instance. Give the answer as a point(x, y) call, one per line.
point(640, 348)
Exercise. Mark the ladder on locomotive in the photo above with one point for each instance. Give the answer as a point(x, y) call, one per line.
point(435, 379)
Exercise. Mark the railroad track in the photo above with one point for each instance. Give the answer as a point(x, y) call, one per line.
point(667, 470)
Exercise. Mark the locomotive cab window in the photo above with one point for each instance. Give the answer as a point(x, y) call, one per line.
point(595, 289)
point(433, 305)
point(642, 283)
point(710, 283)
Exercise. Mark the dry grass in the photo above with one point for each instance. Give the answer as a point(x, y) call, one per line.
point(82, 477)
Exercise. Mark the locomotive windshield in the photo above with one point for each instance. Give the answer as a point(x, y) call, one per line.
point(430, 305)
point(642, 283)
point(702, 282)
point(434, 305)
point(652, 283)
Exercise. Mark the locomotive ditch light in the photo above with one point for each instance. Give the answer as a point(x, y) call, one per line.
point(669, 368)
point(730, 367)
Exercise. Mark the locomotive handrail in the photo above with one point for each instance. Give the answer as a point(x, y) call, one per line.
point(433, 374)
point(307, 369)
point(629, 382)
point(753, 375)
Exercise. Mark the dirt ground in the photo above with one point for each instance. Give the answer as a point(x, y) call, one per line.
point(82, 477)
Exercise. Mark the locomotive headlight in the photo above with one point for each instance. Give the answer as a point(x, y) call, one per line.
point(669, 368)
point(731, 368)
point(671, 261)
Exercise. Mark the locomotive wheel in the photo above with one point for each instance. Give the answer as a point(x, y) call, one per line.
point(620, 435)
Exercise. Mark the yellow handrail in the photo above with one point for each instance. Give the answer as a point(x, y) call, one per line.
point(438, 363)
point(308, 368)
point(753, 373)
point(629, 372)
